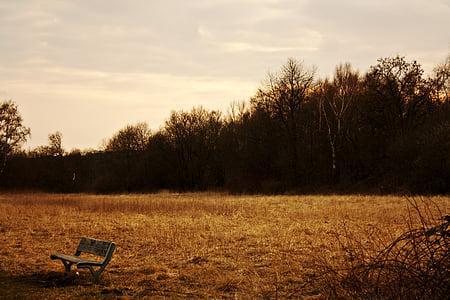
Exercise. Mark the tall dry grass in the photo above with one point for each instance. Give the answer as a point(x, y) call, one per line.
point(414, 265)
point(187, 245)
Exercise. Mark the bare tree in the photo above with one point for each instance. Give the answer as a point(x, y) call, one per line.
point(12, 132)
point(441, 82)
point(398, 94)
point(54, 147)
point(193, 137)
point(130, 138)
point(126, 141)
point(283, 96)
point(55, 144)
point(335, 102)
point(236, 111)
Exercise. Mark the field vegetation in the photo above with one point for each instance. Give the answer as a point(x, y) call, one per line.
point(199, 244)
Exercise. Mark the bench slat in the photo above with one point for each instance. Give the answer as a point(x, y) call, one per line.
point(94, 246)
point(75, 259)
point(71, 258)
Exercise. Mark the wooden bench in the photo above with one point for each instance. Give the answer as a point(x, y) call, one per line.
point(103, 249)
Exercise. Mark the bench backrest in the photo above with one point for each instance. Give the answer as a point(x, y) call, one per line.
point(95, 247)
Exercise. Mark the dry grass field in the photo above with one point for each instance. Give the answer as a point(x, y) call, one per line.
point(187, 245)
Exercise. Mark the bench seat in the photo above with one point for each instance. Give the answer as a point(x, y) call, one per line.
point(78, 261)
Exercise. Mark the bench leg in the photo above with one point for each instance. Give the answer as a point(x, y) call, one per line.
point(96, 274)
point(67, 266)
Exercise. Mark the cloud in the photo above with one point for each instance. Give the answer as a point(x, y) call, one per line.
point(109, 62)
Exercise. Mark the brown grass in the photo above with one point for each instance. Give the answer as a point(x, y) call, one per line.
point(186, 245)
point(415, 265)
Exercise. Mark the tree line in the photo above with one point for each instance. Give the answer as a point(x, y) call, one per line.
point(384, 131)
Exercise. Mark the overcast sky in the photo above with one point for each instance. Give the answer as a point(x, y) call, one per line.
point(89, 67)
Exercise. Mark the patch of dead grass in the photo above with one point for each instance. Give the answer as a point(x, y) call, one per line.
point(184, 245)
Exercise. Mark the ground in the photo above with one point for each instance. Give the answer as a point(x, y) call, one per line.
point(185, 245)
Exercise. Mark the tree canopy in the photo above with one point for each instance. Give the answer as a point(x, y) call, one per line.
point(12, 132)
point(130, 138)
point(386, 130)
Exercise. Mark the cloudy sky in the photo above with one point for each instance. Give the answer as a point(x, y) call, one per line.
point(89, 67)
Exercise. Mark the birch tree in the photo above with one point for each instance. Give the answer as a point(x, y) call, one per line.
point(336, 100)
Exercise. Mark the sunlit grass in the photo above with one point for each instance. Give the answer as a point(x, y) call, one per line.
point(177, 245)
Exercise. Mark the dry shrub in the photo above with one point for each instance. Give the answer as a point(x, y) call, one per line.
point(415, 265)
